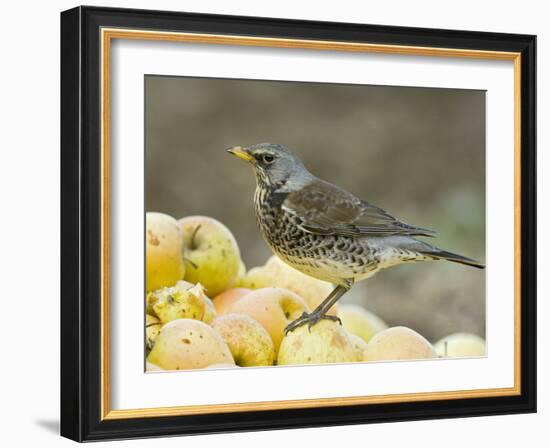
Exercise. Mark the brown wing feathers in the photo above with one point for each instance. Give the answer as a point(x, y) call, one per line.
point(327, 209)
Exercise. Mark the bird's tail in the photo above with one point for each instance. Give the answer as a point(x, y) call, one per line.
point(456, 258)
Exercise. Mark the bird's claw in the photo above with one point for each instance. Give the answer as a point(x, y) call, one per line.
point(311, 320)
point(296, 323)
point(333, 318)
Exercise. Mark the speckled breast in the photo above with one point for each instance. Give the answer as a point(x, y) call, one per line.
point(328, 257)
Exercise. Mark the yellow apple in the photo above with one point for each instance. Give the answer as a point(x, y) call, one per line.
point(209, 312)
point(152, 328)
point(398, 343)
point(150, 367)
point(177, 302)
point(249, 342)
point(212, 255)
point(163, 251)
point(222, 366)
point(359, 345)
point(189, 344)
point(459, 345)
point(274, 308)
point(223, 301)
point(357, 320)
point(276, 273)
point(240, 274)
point(325, 342)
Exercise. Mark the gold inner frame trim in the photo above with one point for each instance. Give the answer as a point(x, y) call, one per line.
point(107, 35)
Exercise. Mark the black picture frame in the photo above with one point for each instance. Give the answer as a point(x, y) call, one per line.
point(81, 210)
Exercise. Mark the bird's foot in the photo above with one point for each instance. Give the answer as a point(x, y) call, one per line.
point(310, 319)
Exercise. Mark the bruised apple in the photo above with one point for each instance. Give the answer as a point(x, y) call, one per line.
point(276, 273)
point(325, 342)
point(189, 344)
point(163, 251)
point(209, 311)
point(249, 342)
point(273, 308)
point(152, 328)
point(177, 302)
point(212, 255)
point(359, 345)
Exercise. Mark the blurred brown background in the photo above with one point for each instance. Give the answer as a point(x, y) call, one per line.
point(418, 153)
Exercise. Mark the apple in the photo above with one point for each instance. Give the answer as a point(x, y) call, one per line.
point(249, 342)
point(152, 328)
point(163, 251)
point(240, 274)
point(209, 312)
point(222, 366)
point(274, 308)
point(223, 301)
point(325, 342)
point(189, 344)
point(398, 343)
point(459, 345)
point(357, 320)
point(212, 255)
point(177, 302)
point(276, 273)
point(359, 345)
point(150, 367)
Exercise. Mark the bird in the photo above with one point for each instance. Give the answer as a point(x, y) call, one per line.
point(326, 232)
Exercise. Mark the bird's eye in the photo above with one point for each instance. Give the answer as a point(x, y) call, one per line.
point(268, 158)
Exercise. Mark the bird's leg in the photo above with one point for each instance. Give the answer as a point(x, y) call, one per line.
point(321, 311)
point(332, 298)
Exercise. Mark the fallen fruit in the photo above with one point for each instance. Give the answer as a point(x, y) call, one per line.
point(458, 345)
point(276, 273)
point(163, 251)
point(359, 345)
point(398, 343)
point(188, 344)
point(152, 328)
point(212, 255)
point(223, 301)
point(357, 320)
point(274, 308)
point(177, 302)
point(222, 366)
point(150, 367)
point(249, 342)
point(324, 342)
point(209, 311)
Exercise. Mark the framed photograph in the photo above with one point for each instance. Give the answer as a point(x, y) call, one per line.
point(272, 223)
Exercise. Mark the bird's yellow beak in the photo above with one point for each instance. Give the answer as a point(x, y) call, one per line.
point(241, 153)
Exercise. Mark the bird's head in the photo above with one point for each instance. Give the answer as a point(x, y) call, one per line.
point(274, 165)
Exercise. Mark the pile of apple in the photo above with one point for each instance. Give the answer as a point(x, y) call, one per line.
point(205, 310)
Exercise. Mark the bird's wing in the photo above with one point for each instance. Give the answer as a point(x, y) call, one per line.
point(326, 209)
